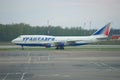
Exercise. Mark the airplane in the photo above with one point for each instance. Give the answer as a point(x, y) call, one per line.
point(61, 41)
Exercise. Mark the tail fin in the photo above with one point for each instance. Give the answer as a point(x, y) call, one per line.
point(104, 30)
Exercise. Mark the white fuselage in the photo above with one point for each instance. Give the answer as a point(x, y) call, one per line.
point(41, 40)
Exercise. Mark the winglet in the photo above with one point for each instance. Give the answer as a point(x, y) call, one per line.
point(104, 30)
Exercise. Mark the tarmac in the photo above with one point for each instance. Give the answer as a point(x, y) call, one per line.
point(59, 65)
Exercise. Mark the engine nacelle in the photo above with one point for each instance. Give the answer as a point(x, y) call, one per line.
point(48, 45)
point(61, 44)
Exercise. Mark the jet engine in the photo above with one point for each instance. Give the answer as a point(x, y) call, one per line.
point(60, 45)
point(48, 45)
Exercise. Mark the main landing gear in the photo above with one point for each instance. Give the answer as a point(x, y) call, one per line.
point(60, 47)
point(22, 47)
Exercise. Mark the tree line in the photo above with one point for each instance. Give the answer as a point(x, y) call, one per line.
point(11, 31)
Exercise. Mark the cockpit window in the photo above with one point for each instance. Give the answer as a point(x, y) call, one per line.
point(19, 37)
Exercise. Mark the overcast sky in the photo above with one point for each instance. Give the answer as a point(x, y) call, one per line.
point(65, 13)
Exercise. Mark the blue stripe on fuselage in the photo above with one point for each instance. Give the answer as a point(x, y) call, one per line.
point(78, 44)
point(31, 44)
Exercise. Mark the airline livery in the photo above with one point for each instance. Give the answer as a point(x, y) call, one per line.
point(61, 41)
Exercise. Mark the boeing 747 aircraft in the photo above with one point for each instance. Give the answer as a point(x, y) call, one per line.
point(61, 41)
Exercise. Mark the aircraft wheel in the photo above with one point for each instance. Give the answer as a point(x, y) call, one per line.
point(57, 47)
point(62, 48)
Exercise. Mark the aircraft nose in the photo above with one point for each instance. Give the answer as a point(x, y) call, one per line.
point(13, 41)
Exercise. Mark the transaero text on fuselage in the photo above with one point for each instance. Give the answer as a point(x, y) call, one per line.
point(38, 39)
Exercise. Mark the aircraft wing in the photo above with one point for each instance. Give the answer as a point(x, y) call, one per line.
point(68, 42)
point(55, 43)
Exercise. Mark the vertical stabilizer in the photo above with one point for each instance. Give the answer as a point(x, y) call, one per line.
point(104, 30)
